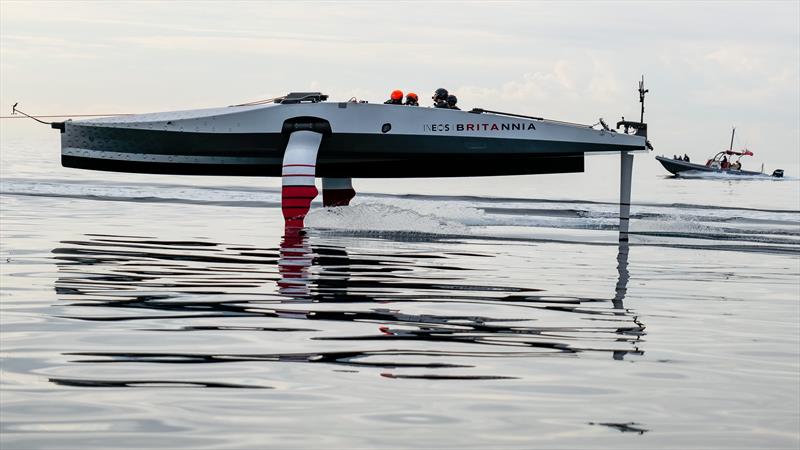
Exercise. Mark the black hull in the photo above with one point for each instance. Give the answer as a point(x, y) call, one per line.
point(676, 167)
point(340, 155)
point(430, 166)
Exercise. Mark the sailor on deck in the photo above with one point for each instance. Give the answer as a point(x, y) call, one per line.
point(451, 102)
point(396, 98)
point(440, 98)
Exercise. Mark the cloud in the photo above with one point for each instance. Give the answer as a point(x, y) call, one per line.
point(704, 64)
point(733, 59)
point(562, 85)
point(30, 46)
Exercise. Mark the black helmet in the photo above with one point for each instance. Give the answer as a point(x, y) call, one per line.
point(452, 100)
point(441, 94)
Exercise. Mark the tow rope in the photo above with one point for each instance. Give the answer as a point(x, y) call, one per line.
point(15, 111)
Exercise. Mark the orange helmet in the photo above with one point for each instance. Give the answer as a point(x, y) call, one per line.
point(397, 94)
point(412, 96)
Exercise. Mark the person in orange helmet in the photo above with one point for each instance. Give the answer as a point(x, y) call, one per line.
point(396, 98)
point(412, 99)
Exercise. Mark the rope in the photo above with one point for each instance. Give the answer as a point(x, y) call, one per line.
point(67, 115)
point(260, 102)
point(15, 110)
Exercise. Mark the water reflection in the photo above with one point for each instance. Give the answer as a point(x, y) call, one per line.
point(621, 290)
point(148, 383)
point(393, 313)
point(629, 427)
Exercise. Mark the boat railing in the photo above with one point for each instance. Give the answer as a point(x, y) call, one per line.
point(292, 97)
point(258, 102)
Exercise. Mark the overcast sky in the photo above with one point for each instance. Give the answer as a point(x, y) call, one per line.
point(708, 65)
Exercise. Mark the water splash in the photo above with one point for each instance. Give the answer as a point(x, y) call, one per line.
point(387, 217)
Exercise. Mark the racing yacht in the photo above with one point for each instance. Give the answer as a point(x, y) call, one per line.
point(301, 136)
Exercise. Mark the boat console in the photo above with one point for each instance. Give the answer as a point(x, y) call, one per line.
point(301, 97)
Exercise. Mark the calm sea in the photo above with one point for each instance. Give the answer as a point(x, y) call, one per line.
point(170, 312)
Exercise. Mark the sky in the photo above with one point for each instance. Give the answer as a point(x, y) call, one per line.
point(708, 65)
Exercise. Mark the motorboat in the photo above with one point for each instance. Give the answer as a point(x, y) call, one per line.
point(722, 162)
point(302, 135)
point(715, 164)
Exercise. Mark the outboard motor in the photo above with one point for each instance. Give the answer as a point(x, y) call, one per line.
point(777, 173)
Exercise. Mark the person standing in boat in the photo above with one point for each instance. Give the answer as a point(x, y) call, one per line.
point(725, 164)
point(396, 98)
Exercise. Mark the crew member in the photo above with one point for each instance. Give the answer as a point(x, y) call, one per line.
point(396, 98)
point(451, 102)
point(440, 98)
point(725, 163)
point(686, 157)
point(412, 99)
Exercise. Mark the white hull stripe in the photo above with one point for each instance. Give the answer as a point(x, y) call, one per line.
point(298, 171)
point(302, 180)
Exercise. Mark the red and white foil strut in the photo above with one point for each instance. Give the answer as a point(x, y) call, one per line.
point(299, 169)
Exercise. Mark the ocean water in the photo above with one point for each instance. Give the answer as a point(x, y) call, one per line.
point(143, 311)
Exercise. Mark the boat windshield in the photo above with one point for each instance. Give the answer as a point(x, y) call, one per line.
point(724, 160)
point(729, 154)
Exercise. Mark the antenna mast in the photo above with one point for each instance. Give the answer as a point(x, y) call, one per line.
point(732, 134)
point(642, 92)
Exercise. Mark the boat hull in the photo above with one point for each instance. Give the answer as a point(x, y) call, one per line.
point(675, 167)
point(361, 141)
